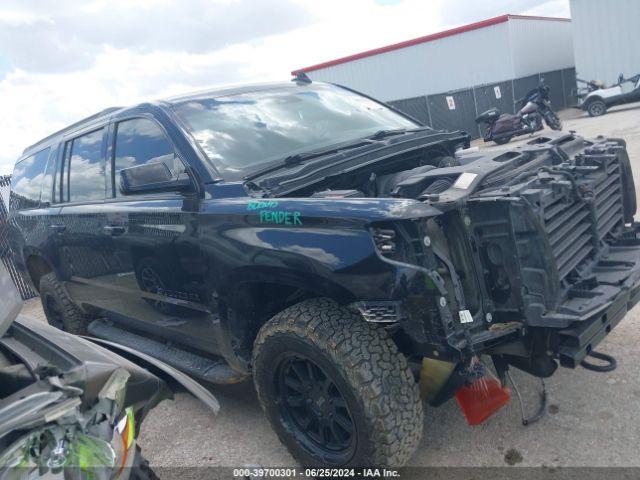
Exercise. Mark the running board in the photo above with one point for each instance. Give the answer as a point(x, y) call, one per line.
point(203, 368)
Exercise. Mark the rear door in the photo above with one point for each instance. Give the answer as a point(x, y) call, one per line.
point(80, 188)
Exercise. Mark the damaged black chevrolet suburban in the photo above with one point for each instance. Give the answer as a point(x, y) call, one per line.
point(331, 247)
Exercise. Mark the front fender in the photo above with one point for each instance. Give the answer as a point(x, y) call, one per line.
point(322, 245)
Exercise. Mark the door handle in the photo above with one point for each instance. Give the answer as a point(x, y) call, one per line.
point(58, 227)
point(114, 230)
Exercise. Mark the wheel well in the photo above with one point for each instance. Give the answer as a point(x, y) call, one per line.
point(254, 303)
point(37, 268)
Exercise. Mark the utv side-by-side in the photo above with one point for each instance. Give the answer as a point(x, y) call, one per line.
point(330, 246)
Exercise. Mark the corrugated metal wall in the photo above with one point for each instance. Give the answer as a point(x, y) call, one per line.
point(458, 109)
point(512, 49)
point(539, 46)
point(448, 63)
point(606, 38)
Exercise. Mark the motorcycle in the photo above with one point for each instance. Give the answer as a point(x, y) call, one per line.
point(536, 107)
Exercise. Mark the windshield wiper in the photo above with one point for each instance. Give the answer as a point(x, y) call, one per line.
point(388, 133)
point(297, 158)
point(380, 134)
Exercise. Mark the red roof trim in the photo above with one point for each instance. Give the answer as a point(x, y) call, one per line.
point(427, 38)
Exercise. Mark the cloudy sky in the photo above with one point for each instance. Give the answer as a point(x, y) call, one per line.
point(62, 60)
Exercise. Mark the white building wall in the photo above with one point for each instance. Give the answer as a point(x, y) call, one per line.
point(449, 63)
point(540, 46)
point(606, 38)
point(513, 49)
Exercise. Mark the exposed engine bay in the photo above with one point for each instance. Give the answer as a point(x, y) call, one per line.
point(537, 236)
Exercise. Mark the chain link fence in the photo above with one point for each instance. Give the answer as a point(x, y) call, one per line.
point(457, 110)
point(6, 253)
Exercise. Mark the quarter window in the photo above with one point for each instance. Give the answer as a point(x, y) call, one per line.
point(140, 141)
point(27, 179)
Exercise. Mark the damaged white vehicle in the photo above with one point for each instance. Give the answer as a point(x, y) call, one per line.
point(69, 408)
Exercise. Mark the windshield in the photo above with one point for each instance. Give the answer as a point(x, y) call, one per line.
point(245, 132)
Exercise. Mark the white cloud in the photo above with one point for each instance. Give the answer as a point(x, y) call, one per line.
point(70, 59)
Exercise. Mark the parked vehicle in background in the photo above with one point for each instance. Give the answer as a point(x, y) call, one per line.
point(69, 408)
point(333, 248)
point(535, 107)
point(595, 98)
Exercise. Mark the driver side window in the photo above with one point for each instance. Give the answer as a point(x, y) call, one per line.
point(140, 141)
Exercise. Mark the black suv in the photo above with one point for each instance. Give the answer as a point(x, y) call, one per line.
point(330, 246)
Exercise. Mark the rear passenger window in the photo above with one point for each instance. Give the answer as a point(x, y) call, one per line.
point(26, 182)
point(140, 141)
point(83, 169)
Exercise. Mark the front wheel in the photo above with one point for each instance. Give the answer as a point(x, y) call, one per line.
point(552, 120)
point(335, 389)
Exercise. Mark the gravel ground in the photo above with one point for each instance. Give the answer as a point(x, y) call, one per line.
point(593, 418)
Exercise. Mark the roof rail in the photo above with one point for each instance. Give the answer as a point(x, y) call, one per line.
point(101, 113)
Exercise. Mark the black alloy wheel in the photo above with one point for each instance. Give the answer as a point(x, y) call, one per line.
point(314, 409)
point(336, 390)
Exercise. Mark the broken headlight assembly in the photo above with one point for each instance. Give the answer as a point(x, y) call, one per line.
point(74, 444)
point(393, 242)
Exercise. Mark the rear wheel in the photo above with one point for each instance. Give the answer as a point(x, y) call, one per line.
point(596, 108)
point(59, 309)
point(335, 389)
point(502, 140)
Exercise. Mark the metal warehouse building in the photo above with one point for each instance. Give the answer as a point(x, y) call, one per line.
point(606, 38)
point(447, 78)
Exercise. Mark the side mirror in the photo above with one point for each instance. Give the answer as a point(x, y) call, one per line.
point(152, 178)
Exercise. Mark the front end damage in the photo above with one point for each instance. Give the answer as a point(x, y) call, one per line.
point(534, 259)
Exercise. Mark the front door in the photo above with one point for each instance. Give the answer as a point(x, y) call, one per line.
point(152, 239)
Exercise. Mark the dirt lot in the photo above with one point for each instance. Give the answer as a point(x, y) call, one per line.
point(593, 419)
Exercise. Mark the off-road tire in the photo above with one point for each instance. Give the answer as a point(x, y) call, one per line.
point(596, 108)
point(68, 316)
point(366, 367)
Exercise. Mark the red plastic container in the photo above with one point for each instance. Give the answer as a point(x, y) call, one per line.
point(482, 398)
